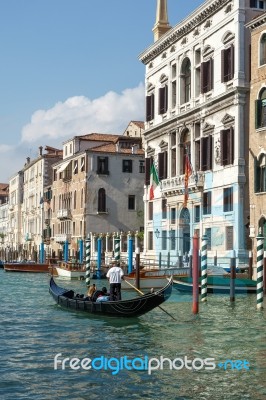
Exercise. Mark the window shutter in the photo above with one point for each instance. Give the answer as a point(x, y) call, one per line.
point(258, 106)
point(231, 145)
point(161, 100)
point(232, 70)
point(222, 144)
point(148, 108)
point(203, 148)
point(209, 153)
point(152, 106)
point(222, 65)
point(148, 162)
point(202, 78)
point(165, 164)
point(211, 69)
point(165, 98)
point(256, 176)
point(161, 166)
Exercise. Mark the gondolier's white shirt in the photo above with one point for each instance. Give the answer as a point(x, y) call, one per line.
point(115, 274)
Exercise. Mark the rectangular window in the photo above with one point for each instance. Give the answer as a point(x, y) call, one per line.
point(260, 113)
point(164, 208)
point(131, 202)
point(227, 146)
point(141, 166)
point(149, 107)
point(229, 233)
point(150, 240)
point(150, 211)
point(173, 215)
point(197, 214)
point(172, 239)
point(206, 151)
point(82, 164)
point(209, 236)
point(164, 240)
point(162, 165)
point(207, 203)
point(228, 199)
point(206, 76)
point(102, 165)
point(148, 164)
point(163, 100)
point(227, 64)
point(75, 169)
point(127, 165)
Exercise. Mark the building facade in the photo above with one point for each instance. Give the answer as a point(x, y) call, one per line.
point(97, 189)
point(196, 130)
point(257, 128)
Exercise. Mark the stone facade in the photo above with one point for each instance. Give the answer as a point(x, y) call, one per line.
point(257, 129)
point(196, 131)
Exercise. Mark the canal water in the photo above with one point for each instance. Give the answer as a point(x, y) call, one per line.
point(34, 331)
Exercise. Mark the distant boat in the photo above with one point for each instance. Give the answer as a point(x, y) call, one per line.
point(69, 270)
point(29, 266)
point(147, 280)
point(216, 284)
point(122, 308)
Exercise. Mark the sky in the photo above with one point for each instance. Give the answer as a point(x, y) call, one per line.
point(71, 67)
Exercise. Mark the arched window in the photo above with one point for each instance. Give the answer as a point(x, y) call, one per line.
point(185, 149)
point(263, 49)
point(185, 81)
point(101, 200)
point(75, 200)
point(260, 110)
point(260, 174)
point(82, 199)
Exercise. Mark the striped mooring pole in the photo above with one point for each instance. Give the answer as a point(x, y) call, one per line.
point(204, 244)
point(117, 250)
point(88, 261)
point(260, 240)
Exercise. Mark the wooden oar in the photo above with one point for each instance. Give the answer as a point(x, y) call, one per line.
point(140, 292)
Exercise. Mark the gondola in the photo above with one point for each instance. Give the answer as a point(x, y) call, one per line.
point(122, 308)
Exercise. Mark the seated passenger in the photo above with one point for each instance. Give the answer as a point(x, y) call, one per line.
point(101, 295)
point(91, 292)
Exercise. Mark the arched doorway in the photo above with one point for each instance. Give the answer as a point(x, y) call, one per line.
point(185, 230)
point(262, 229)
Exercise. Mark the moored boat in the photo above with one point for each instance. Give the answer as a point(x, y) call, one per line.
point(122, 308)
point(70, 270)
point(216, 284)
point(28, 266)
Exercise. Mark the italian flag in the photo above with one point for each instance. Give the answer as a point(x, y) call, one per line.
point(154, 181)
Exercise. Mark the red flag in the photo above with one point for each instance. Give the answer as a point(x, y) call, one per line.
point(188, 172)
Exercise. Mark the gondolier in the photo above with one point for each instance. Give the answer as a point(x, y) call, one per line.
point(114, 275)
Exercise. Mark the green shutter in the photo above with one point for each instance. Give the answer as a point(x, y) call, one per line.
point(258, 105)
point(256, 176)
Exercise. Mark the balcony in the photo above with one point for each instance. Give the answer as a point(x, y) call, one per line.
point(62, 237)
point(176, 185)
point(64, 213)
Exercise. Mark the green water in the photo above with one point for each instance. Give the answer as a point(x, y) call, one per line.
point(33, 330)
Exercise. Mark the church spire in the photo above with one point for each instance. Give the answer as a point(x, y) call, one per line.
point(161, 24)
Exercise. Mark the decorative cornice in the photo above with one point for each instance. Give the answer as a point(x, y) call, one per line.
point(178, 32)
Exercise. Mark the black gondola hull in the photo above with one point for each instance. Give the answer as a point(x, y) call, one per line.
point(123, 308)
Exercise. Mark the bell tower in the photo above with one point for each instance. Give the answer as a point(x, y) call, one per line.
point(161, 24)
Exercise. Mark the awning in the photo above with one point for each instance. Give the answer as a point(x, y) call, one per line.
point(63, 166)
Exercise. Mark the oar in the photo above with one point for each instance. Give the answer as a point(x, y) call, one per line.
point(139, 291)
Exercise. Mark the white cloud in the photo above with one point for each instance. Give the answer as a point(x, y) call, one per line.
point(4, 148)
point(79, 115)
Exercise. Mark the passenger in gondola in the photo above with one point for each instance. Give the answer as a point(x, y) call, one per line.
point(91, 291)
point(104, 296)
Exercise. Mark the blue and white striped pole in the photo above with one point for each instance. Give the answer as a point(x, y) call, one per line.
point(260, 240)
point(99, 257)
point(81, 251)
point(117, 250)
point(88, 261)
point(42, 253)
point(130, 253)
point(204, 244)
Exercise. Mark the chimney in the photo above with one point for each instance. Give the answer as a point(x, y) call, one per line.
point(161, 25)
point(40, 150)
point(28, 160)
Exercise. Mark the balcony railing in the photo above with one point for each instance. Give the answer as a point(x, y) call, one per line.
point(177, 184)
point(64, 213)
